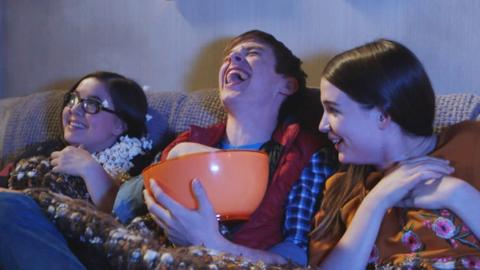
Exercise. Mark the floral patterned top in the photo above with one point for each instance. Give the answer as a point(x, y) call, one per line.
point(418, 238)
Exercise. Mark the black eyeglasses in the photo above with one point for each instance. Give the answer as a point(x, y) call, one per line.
point(90, 105)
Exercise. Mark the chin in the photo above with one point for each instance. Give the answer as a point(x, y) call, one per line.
point(347, 160)
point(228, 96)
point(70, 138)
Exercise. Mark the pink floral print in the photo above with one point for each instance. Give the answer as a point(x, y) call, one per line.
point(471, 262)
point(412, 241)
point(444, 263)
point(443, 228)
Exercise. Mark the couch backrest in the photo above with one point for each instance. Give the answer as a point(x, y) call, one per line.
point(453, 108)
point(35, 118)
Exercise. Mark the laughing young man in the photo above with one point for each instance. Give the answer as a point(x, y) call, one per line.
point(262, 87)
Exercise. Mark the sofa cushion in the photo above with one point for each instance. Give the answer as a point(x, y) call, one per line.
point(31, 119)
point(453, 108)
point(35, 118)
point(180, 110)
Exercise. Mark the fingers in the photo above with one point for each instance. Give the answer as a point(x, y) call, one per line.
point(425, 168)
point(156, 209)
point(424, 159)
point(204, 204)
point(55, 154)
point(55, 162)
point(162, 198)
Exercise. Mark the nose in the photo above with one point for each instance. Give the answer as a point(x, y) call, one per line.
point(236, 57)
point(77, 108)
point(324, 126)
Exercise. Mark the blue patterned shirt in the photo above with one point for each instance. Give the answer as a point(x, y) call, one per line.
point(303, 201)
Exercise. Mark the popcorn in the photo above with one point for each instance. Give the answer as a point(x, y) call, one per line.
point(105, 103)
point(116, 160)
point(148, 117)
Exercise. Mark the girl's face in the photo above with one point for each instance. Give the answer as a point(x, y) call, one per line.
point(93, 132)
point(353, 129)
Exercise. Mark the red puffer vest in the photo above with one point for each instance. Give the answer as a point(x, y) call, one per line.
point(265, 226)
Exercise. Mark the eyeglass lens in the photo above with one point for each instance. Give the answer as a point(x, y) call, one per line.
point(89, 105)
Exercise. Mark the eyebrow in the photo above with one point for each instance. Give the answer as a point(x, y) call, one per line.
point(247, 48)
point(254, 47)
point(330, 103)
point(88, 97)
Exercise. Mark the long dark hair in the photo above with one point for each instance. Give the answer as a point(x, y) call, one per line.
point(386, 75)
point(128, 99)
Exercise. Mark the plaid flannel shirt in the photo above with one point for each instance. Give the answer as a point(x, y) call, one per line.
point(305, 196)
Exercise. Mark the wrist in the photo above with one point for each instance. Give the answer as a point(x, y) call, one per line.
point(92, 170)
point(463, 194)
point(217, 242)
point(375, 203)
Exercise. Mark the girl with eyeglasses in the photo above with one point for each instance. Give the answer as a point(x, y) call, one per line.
point(103, 119)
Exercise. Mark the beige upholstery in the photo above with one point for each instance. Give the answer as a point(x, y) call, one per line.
point(35, 118)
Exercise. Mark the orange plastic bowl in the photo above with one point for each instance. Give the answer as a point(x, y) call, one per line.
point(235, 180)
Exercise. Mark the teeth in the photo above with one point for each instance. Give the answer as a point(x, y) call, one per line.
point(243, 76)
point(236, 75)
point(76, 125)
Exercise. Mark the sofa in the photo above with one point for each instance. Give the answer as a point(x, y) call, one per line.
point(35, 118)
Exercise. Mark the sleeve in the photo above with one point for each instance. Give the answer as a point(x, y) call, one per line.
point(5, 174)
point(302, 203)
point(129, 201)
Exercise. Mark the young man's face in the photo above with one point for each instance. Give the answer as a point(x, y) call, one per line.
point(248, 75)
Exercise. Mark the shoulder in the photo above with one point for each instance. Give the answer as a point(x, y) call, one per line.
point(464, 133)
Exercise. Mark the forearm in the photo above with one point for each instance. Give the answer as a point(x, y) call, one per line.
point(224, 245)
point(101, 187)
point(465, 205)
point(355, 246)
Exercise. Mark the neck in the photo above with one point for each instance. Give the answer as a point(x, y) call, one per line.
point(245, 129)
point(407, 147)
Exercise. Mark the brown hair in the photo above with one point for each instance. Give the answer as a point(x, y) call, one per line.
point(287, 64)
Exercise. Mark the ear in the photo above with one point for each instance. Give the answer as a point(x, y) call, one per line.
point(384, 120)
point(119, 128)
point(290, 87)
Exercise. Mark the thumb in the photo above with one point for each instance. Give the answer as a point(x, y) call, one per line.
point(204, 204)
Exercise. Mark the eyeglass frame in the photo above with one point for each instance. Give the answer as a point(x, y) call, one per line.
point(83, 101)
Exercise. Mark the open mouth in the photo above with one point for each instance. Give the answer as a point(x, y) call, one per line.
point(235, 76)
point(336, 142)
point(76, 125)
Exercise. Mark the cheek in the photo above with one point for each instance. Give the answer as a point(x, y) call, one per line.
point(65, 115)
point(337, 125)
point(221, 73)
point(101, 123)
